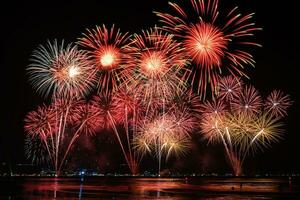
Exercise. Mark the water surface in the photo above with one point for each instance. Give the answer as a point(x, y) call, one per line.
point(32, 188)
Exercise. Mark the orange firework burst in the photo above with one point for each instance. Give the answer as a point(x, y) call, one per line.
point(61, 71)
point(107, 50)
point(156, 62)
point(212, 45)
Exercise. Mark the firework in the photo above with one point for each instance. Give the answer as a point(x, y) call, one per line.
point(107, 49)
point(267, 131)
point(229, 87)
point(88, 119)
point(238, 122)
point(40, 122)
point(106, 106)
point(156, 62)
point(277, 103)
point(112, 114)
point(35, 150)
point(164, 134)
point(60, 70)
point(249, 101)
point(216, 107)
point(211, 126)
point(185, 101)
point(213, 45)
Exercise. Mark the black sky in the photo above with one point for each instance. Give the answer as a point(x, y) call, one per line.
point(25, 25)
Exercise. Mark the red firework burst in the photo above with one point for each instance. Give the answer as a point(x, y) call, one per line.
point(106, 106)
point(206, 44)
point(65, 109)
point(107, 50)
point(186, 101)
point(127, 104)
point(40, 122)
point(277, 103)
point(212, 45)
point(88, 118)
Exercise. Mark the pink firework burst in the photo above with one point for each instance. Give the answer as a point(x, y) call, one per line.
point(213, 45)
point(210, 126)
point(229, 87)
point(277, 103)
point(215, 107)
point(107, 48)
point(248, 101)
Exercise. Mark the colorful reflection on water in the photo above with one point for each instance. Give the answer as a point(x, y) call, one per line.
point(148, 188)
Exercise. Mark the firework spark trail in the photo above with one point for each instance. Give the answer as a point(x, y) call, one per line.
point(107, 49)
point(128, 103)
point(213, 45)
point(64, 110)
point(87, 120)
point(110, 108)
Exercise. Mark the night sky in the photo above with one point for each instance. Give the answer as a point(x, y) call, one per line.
point(25, 25)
